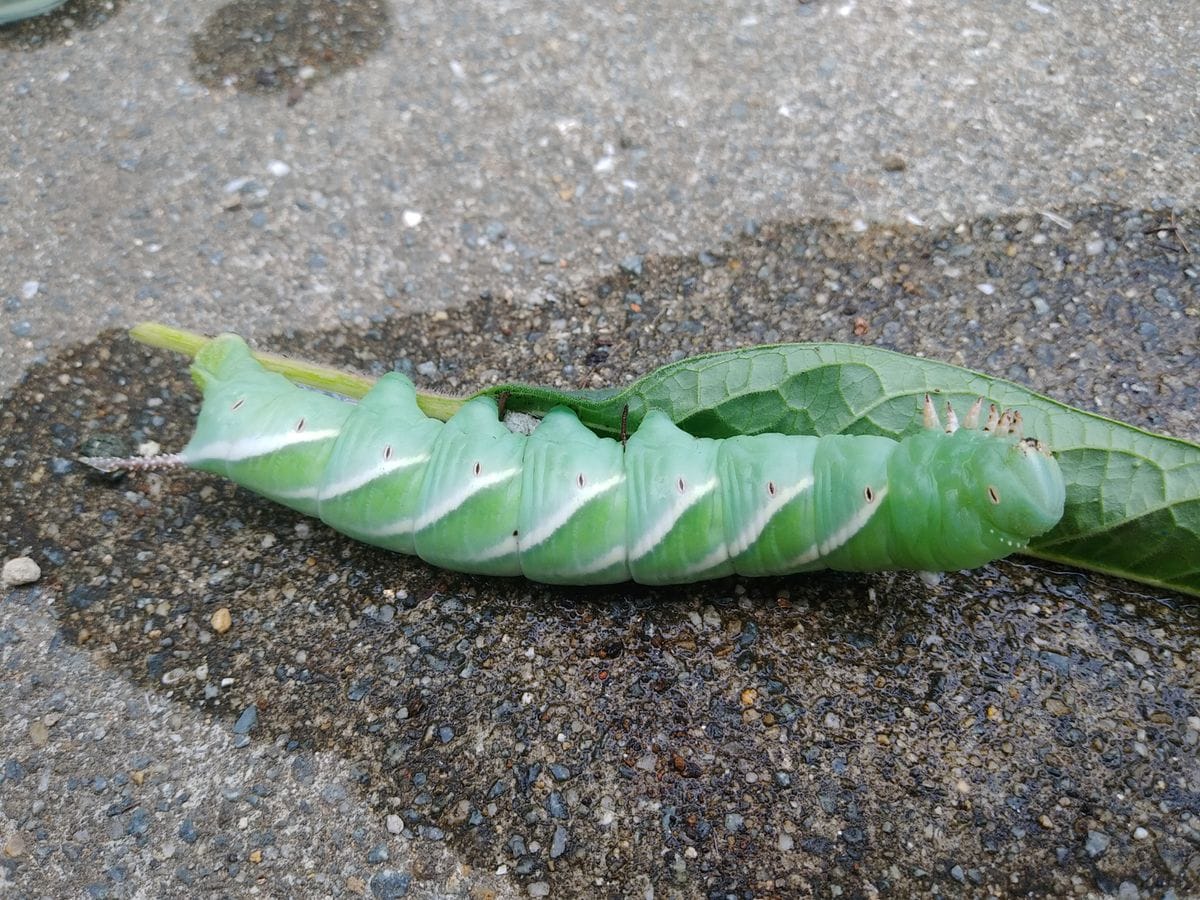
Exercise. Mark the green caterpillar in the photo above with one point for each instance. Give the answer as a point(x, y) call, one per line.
point(565, 506)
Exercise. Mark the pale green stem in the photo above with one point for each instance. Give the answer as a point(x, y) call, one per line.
point(325, 378)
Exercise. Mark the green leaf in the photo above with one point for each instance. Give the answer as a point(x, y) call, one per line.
point(1133, 497)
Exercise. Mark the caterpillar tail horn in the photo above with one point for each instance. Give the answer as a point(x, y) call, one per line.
point(134, 463)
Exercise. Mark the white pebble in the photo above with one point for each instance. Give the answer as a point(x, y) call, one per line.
point(278, 168)
point(21, 570)
point(29, 290)
point(395, 824)
point(986, 288)
point(412, 218)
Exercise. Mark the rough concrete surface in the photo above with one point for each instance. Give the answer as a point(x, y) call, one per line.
point(575, 195)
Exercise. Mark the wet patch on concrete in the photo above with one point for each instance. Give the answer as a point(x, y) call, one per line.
point(58, 25)
point(1015, 729)
point(264, 47)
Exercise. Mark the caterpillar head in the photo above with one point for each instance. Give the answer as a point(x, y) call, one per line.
point(1012, 481)
point(1019, 488)
point(973, 494)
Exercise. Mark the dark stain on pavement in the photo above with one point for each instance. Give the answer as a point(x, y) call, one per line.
point(1017, 729)
point(262, 47)
point(58, 25)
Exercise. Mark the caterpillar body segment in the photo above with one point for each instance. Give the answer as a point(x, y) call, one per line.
point(565, 506)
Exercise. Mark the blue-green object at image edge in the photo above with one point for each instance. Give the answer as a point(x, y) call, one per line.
point(15, 10)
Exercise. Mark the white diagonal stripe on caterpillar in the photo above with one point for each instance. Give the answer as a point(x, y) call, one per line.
point(391, 529)
point(655, 535)
point(615, 555)
point(504, 548)
point(715, 557)
point(260, 445)
point(413, 524)
point(765, 514)
point(362, 479)
point(564, 513)
point(454, 501)
point(353, 482)
point(852, 526)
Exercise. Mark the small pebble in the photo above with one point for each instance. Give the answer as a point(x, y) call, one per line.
point(15, 846)
point(390, 884)
point(1097, 843)
point(378, 854)
point(21, 570)
point(632, 265)
point(558, 844)
point(412, 218)
point(246, 721)
point(221, 620)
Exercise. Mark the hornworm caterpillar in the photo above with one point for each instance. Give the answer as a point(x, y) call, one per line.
point(565, 506)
